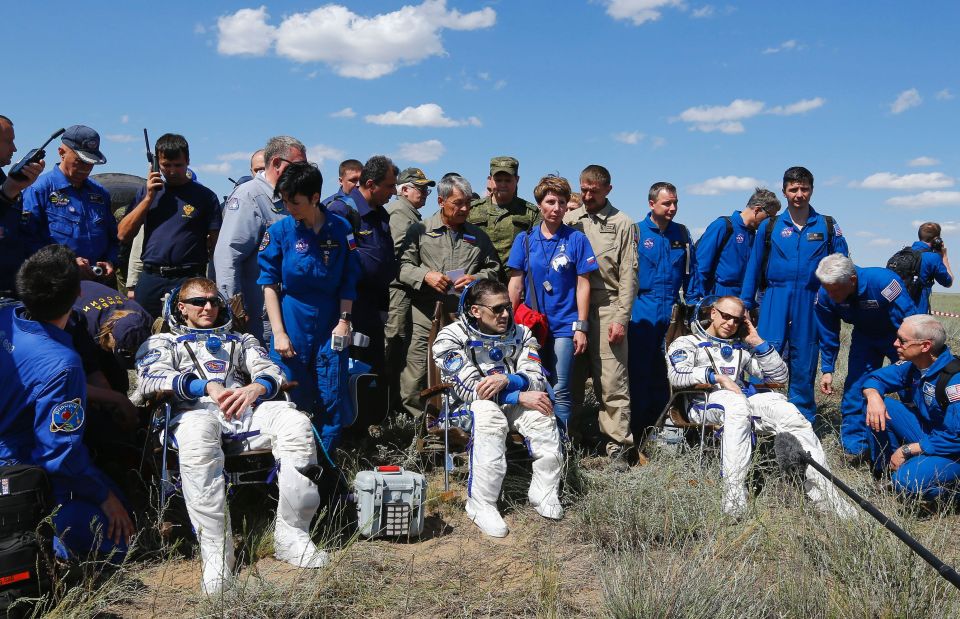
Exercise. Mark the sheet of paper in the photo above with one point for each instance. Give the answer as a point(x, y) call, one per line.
point(454, 276)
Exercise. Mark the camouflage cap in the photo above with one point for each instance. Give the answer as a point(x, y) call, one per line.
point(415, 176)
point(504, 164)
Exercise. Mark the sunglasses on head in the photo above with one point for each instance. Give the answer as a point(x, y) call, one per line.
point(202, 301)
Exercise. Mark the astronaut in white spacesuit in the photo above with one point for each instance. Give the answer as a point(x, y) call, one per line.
point(722, 354)
point(494, 366)
point(222, 383)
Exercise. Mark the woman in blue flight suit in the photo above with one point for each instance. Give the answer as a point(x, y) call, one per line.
point(309, 269)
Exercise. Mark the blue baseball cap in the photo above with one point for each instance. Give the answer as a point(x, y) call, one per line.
point(85, 142)
point(131, 331)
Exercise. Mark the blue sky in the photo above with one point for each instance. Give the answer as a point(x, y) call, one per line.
point(710, 96)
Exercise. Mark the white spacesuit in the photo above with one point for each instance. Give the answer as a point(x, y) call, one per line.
point(695, 359)
point(465, 356)
point(182, 362)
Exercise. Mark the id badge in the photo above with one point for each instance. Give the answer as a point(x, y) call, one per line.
point(548, 286)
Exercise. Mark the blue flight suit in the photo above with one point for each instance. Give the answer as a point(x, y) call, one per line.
point(16, 242)
point(920, 419)
point(44, 425)
point(315, 271)
point(378, 266)
point(932, 270)
point(247, 214)
point(666, 261)
point(79, 218)
point(786, 307)
point(875, 310)
point(722, 274)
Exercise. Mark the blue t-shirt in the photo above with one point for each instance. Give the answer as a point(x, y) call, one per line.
point(555, 264)
point(177, 224)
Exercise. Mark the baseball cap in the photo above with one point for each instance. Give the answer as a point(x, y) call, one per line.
point(85, 142)
point(504, 164)
point(415, 176)
point(131, 331)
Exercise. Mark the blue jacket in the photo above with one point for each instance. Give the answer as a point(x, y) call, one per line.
point(941, 426)
point(794, 254)
point(932, 270)
point(875, 310)
point(46, 424)
point(726, 269)
point(16, 242)
point(666, 261)
point(80, 218)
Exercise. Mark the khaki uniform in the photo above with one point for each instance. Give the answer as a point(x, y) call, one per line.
point(431, 246)
point(503, 223)
point(403, 215)
point(613, 287)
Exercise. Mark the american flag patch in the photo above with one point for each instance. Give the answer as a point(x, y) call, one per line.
point(351, 242)
point(533, 356)
point(892, 291)
point(469, 238)
point(953, 393)
point(591, 260)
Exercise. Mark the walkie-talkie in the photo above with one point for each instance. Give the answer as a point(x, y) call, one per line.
point(151, 158)
point(34, 156)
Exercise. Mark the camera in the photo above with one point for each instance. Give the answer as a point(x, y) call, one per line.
point(937, 244)
point(97, 270)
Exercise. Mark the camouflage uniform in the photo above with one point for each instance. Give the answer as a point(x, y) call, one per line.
point(503, 223)
point(613, 287)
point(432, 246)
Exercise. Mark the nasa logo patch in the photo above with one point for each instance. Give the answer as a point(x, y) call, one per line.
point(648, 243)
point(302, 246)
point(215, 365)
point(741, 238)
point(147, 359)
point(786, 232)
point(453, 361)
point(67, 416)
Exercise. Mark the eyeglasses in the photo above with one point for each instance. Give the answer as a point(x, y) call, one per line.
point(424, 190)
point(498, 309)
point(725, 316)
point(202, 301)
point(906, 343)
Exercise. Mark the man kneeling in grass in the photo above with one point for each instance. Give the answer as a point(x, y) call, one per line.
point(918, 439)
point(721, 355)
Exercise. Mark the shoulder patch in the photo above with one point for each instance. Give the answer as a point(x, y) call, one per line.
point(892, 291)
point(678, 356)
point(262, 352)
point(452, 361)
point(953, 393)
point(150, 357)
point(533, 356)
point(67, 416)
point(232, 204)
point(351, 241)
point(265, 241)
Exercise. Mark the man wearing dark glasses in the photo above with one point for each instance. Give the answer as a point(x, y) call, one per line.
point(724, 354)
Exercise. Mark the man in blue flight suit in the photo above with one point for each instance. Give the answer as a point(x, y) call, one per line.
point(247, 214)
point(780, 278)
point(46, 425)
point(918, 440)
point(873, 300)
point(724, 248)
point(934, 264)
point(666, 263)
point(74, 210)
point(15, 245)
point(309, 268)
point(180, 217)
point(349, 178)
point(371, 223)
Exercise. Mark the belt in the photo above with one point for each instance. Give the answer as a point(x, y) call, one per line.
point(177, 271)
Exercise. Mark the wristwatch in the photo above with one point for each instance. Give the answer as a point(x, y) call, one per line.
point(907, 452)
point(345, 316)
point(581, 325)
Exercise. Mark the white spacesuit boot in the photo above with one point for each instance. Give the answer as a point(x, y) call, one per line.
point(543, 442)
point(735, 449)
point(488, 466)
point(297, 503)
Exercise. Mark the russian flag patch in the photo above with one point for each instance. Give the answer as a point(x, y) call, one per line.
point(351, 242)
point(892, 291)
point(469, 238)
point(591, 260)
point(533, 356)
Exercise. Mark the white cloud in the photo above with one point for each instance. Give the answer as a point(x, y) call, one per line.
point(927, 199)
point(879, 242)
point(124, 119)
point(237, 155)
point(215, 168)
point(920, 162)
point(800, 107)
point(888, 180)
point(657, 142)
point(729, 118)
point(246, 32)
point(944, 95)
point(865, 234)
point(321, 152)
point(640, 11)
point(906, 100)
point(723, 184)
point(786, 46)
point(353, 45)
point(703, 12)
point(426, 115)
point(628, 137)
point(946, 227)
point(346, 112)
point(199, 28)
point(123, 138)
point(500, 85)
point(421, 152)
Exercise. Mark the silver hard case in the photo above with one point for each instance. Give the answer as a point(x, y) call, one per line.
point(389, 502)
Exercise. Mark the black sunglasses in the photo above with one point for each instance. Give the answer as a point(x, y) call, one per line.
point(498, 309)
point(736, 319)
point(202, 301)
